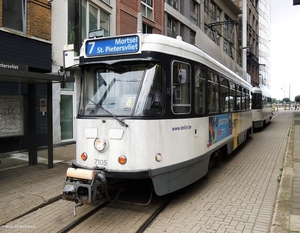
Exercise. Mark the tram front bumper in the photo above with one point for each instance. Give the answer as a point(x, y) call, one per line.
point(82, 185)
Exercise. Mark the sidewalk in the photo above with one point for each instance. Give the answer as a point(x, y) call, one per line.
point(61, 153)
point(287, 210)
point(25, 188)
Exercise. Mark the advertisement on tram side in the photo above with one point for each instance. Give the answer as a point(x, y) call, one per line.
point(219, 127)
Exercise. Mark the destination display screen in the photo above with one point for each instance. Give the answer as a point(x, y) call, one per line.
point(112, 46)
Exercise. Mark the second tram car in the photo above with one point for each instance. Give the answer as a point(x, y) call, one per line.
point(261, 108)
point(152, 107)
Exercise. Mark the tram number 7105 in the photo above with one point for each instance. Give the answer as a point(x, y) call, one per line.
point(100, 162)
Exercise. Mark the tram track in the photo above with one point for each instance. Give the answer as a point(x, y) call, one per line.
point(139, 228)
point(83, 218)
point(151, 219)
point(57, 216)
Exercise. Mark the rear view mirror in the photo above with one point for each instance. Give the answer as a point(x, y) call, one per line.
point(182, 76)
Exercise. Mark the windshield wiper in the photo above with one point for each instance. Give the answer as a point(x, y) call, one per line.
point(122, 122)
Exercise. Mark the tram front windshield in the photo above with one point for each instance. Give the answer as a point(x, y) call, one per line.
point(122, 89)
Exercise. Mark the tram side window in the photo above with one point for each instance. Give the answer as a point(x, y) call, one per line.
point(243, 99)
point(264, 101)
point(224, 93)
point(247, 99)
point(232, 97)
point(181, 96)
point(269, 102)
point(199, 90)
point(212, 93)
point(238, 98)
point(181, 73)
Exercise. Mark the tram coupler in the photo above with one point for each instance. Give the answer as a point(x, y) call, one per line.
point(83, 186)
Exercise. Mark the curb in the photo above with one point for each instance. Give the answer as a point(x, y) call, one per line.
point(282, 210)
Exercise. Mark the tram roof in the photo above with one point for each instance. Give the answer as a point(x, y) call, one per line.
point(172, 46)
point(96, 48)
point(263, 91)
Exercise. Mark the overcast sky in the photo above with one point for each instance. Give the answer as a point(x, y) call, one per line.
point(285, 49)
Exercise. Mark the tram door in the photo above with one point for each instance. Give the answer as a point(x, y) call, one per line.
point(66, 117)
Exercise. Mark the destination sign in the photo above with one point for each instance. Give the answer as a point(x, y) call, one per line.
point(112, 46)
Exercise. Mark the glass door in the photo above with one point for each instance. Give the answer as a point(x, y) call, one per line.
point(66, 117)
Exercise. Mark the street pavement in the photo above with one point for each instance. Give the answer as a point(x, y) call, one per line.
point(25, 188)
point(261, 197)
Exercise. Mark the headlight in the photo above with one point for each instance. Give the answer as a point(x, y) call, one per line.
point(100, 144)
point(158, 157)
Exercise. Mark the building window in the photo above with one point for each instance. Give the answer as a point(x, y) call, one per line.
point(229, 27)
point(172, 27)
point(147, 8)
point(213, 10)
point(218, 13)
point(229, 36)
point(206, 6)
point(212, 34)
point(147, 29)
point(192, 37)
point(194, 12)
point(105, 22)
point(14, 14)
point(173, 3)
point(91, 18)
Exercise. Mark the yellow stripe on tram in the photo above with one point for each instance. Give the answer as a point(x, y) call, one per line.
point(235, 130)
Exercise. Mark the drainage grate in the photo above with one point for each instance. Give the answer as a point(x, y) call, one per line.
point(297, 122)
point(297, 114)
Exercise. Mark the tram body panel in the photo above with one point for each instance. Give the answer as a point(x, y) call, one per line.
point(174, 139)
point(144, 139)
point(261, 116)
point(183, 144)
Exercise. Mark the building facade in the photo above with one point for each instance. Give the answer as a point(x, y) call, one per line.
point(25, 58)
point(264, 44)
point(253, 41)
point(127, 13)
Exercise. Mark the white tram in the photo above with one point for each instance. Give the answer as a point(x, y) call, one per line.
point(261, 108)
point(152, 107)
